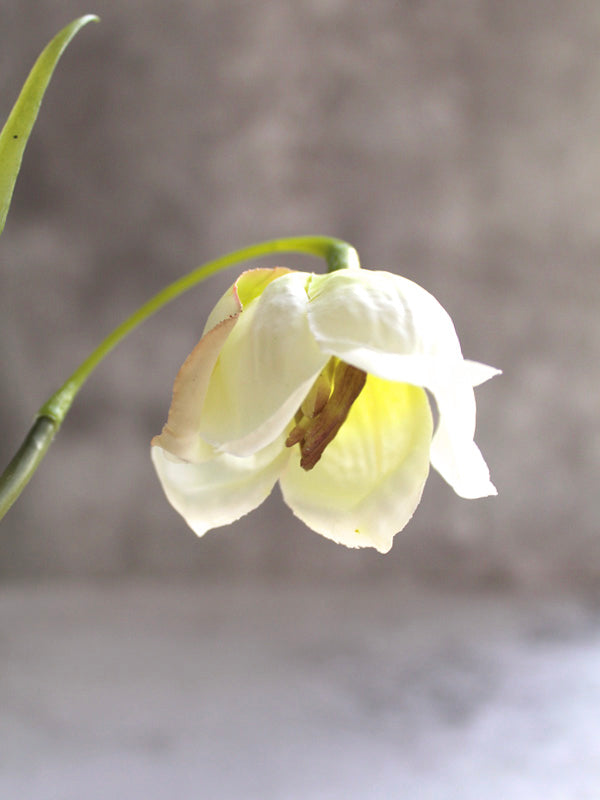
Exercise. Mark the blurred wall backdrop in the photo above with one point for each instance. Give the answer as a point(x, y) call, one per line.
point(456, 143)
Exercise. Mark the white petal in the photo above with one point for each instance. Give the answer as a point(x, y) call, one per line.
point(454, 454)
point(479, 373)
point(180, 435)
point(391, 327)
point(264, 370)
point(219, 491)
point(364, 311)
point(248, 285)
point(370, 477)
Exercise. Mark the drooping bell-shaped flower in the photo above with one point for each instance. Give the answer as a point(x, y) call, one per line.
point(319, 381)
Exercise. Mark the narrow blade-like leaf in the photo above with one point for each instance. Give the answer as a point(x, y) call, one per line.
point(15, 133)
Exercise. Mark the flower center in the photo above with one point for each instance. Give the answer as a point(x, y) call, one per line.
point(325, 409)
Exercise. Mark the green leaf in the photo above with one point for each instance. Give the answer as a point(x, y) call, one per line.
point(15, 133)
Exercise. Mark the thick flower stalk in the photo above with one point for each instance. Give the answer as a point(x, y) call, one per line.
point(318, 382)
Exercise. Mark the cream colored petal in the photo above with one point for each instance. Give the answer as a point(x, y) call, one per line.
point(264, 370)
point(372, 311)
point(454, 454)
point(221, 490)
point(370, 478)
point(249, 285)
point(407, 336)
point(479, 373)
point(181, 434)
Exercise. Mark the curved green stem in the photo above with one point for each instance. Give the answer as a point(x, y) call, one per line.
point(337, 254)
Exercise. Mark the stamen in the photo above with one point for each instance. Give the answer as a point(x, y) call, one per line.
point(298, 432)
point(315, 400)
point(315, 431)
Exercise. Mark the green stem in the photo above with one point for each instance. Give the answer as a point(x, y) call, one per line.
point(337, 254)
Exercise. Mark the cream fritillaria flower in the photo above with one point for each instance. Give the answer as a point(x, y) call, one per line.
point(318, 382)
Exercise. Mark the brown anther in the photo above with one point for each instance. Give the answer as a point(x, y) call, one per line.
point(315, 400)
point(314, 434)
point(298, 432)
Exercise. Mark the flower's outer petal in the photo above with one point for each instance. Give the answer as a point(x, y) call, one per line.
point(454, 454)
point(369, 479)
point(365, 311)
point(249, 285)
point(264, 370)
point(220, 490)
point(393, 328)
point(479, 373)
point(180, 435)
point(388, 325)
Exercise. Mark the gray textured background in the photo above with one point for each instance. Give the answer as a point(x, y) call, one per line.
point(456, 143)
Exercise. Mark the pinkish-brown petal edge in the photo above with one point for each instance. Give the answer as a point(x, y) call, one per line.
point(180, 433)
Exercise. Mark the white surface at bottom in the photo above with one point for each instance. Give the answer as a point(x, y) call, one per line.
point(295, 693)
